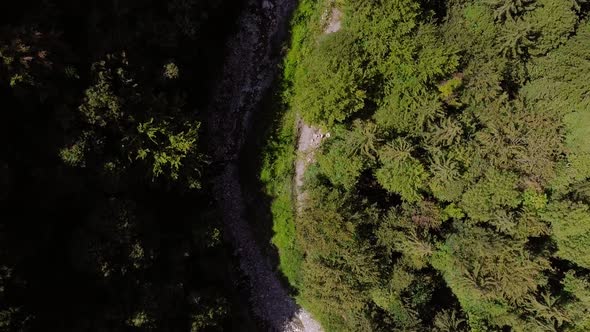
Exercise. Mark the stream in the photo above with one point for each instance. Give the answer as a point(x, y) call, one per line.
point(253, 54)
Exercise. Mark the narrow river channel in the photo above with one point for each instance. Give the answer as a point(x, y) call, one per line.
point(251, 65)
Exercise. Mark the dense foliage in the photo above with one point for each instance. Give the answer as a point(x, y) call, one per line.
point(453, 193)
point(106, 220)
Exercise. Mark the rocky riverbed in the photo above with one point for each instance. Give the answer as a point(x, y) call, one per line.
point(250, 67)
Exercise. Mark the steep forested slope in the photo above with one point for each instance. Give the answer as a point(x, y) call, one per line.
point(106, 217)
point(453, 192)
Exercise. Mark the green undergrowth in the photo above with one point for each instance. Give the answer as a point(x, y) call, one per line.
point(280, 153)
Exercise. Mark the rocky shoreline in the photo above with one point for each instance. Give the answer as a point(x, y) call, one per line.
point(251, 65)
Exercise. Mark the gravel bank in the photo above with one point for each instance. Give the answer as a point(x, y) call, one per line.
point(251, 64)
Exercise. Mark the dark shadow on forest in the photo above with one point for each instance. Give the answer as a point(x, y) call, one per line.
point(48, 211)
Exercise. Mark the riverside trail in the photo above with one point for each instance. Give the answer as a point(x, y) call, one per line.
point(251, 64)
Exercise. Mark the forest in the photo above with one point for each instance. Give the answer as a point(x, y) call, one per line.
point(153, 173)
point(106, 217)
point(453, 190)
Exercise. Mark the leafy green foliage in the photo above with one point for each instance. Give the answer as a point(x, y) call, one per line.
point(100, 141)
point(162, 139)
point(511, 9)
point(494, 192)
point(171, 71)
point(579, 288)
point(168, 157)
point(400, 233)
point(488, 274)
point(341, 167)
point(570, 225)
point(279, 157)
point(555, 21)
point(464, 131)
point(401, 173)
point(330, 87)
point(338, 266)
point(101, 104)
point(448, 320)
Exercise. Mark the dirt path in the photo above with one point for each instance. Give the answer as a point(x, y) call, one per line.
point(309, 138)
point(334, 21)
point(249, 69)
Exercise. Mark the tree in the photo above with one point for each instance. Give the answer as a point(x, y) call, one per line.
point(523, 136)
point(449, 320)
point(495, 192)
point(170, 148)
point(339, 164)
point(108, 245)
point(577, 310)
point(510, 9)
point(557, 85)
point(516, 39)
point(362, 139)
point(401, 173)
point(30, 57)
point(446, 183)
point(163, 138)
point(554, 21)
point(395, 298)
point(490, 275)
point(407, 111)
point(398, 233)
point(570, 227)
point(329, 87)
point(557, 79)
point(338, 265)
point(471, 142)
point(445, 133)
point(125, 253)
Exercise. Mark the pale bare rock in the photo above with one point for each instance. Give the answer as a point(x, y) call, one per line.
point(309, 138)
point(304, 323)
point(334, 21)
